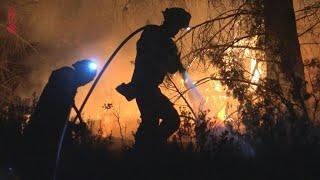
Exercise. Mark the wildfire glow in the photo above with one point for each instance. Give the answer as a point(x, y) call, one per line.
point(222, 114)
point(211, 97)
point(254, 70)
point(214, 96)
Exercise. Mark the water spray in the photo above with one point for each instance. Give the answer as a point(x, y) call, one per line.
point(195, 96)
point(199, 103)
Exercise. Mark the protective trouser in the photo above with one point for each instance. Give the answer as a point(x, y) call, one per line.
point(153, 106)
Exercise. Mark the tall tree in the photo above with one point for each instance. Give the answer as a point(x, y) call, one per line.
point(282, 40)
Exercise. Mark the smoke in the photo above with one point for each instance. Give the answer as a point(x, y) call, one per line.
point(66, 31)
point(63, 32)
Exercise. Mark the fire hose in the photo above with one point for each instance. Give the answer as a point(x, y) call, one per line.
point(78, 111)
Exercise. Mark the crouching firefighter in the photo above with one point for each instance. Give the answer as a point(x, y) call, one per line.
point(44, 130)
point(156, 56)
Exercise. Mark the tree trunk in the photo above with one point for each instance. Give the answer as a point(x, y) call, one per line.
point(282, 39)
point(282, 46)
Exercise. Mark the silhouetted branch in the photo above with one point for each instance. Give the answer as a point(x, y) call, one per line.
point(316, 5)
point(309, 29)
point(116, 114)
point(184, 99)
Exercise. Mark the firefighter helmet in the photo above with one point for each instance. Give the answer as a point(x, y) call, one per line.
point(177, 15)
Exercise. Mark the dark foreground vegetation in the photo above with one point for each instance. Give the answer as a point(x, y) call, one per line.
point(89, 156)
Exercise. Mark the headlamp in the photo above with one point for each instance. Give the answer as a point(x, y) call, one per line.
point(93, 66)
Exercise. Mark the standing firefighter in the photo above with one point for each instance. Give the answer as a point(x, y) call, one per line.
point(51, 113)
point(156, 56)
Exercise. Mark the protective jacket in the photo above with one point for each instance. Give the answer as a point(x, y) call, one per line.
point(156, 56)
point(55, 103)
point(43, 132)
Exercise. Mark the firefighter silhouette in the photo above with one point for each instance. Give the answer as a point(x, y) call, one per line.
point(156, 56)
point(44, 129)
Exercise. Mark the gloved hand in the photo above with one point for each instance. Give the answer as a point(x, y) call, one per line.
point(181, 69)
point(127, 90)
